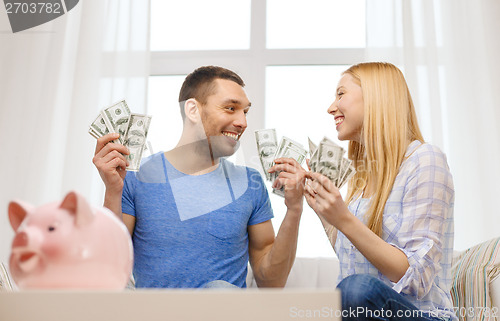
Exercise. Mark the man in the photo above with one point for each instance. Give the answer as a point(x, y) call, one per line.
point(195, 217)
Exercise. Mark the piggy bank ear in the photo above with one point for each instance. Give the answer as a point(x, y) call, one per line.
point(17, 212)
point(78, 206)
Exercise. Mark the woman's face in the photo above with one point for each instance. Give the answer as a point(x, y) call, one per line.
point(348, 109)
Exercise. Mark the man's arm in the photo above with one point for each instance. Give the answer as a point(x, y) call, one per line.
point(272, 258)
point(129, 221)
point(110, 161)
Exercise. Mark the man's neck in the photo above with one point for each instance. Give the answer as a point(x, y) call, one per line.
point(193, 158)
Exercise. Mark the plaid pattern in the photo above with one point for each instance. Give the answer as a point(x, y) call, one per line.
point(418, 220)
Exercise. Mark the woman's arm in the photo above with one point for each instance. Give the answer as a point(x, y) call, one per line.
point(325, 199)
point(330, 230)
point(421, 240)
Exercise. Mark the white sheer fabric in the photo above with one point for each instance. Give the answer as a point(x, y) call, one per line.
point(449, 52)
point(56, 77)
point(54, 80)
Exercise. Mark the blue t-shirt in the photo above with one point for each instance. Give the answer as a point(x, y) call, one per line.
point(191, 230)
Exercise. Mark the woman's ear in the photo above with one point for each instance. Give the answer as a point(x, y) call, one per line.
point(191, 110)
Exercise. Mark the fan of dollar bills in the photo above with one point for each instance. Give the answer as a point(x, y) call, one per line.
point(133, 129)
point(269, 150)
point(327, 159)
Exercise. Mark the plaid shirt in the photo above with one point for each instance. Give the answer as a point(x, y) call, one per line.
point(418, 220)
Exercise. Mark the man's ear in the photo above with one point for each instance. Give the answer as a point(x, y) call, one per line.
point(191, 110)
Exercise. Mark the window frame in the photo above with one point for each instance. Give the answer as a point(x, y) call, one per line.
point(251, 65)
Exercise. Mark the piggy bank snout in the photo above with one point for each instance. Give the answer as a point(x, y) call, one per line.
point(20, 240)
point(25, 256)
point(30, 237)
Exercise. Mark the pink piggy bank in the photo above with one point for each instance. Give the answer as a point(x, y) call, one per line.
point(69, 245)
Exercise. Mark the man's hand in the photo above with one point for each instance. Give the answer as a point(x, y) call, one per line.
point(110, 162)
point(292, 176)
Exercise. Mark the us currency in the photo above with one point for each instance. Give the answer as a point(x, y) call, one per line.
point(312, 146)
point(312, 150)
point(135, 139)
point(98, 127)
point(349, 173)
point(116, 118)
point(288, 149)
point(285, 143)
point(330, 160)
point(344, 167)
point(315, 155)
point(313, 162)
point(93, 134)
point(267, 144)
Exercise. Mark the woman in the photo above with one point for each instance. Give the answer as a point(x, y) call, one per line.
point(394, 237)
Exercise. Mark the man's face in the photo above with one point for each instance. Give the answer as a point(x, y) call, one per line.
point(224, 117)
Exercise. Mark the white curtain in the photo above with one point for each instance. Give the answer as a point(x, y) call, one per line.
point(449, 51)
point(54, 80)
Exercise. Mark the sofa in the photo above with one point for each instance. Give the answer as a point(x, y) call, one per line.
point(475, 287)
point(476, 279)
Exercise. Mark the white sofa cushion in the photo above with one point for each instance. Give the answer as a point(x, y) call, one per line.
point(318, 272)
point(495, 295)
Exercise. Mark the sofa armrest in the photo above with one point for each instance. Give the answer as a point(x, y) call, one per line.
point(495, 293)
point(320, 272)
point(6, 283)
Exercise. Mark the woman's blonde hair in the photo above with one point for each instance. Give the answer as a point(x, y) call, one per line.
point(389, 125)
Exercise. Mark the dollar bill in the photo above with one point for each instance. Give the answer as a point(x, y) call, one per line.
point(344, 168)
point(312, 146)
point(116, 118)
point(98, 127)
point(312, 149)
point(135, 139)
point(267, 144)
point(148, 148)
point(330, 160)
point(288, 149)
point(93, 133)
point(279, 151)
point(349, 173)
point(313, 162)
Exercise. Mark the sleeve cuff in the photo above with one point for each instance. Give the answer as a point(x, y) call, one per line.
point(413, 281)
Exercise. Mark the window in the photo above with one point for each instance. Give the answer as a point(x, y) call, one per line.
point(290, 54)
point(315, 24)
point(200, 25)
point(166, 125)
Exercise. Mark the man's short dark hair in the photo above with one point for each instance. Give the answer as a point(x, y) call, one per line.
point(200, 84)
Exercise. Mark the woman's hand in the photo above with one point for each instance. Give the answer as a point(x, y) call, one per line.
point(292, 177)
point(325, 199)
